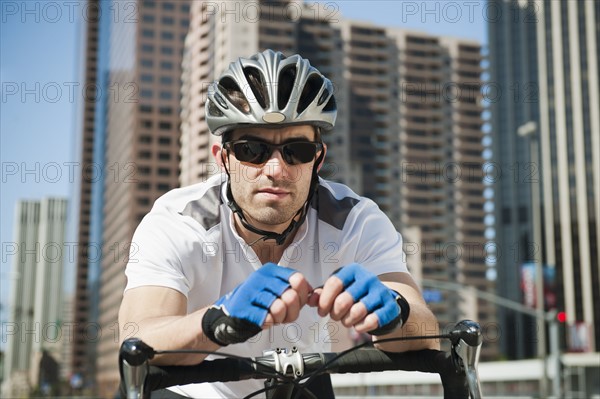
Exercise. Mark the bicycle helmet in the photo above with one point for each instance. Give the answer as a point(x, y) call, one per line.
point(270, 89)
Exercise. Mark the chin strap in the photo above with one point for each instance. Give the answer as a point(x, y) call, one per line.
point(271, 235)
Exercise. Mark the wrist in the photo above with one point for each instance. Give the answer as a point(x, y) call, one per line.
point(404, 307)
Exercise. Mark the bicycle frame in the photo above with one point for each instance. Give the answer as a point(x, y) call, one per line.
point(457, 368)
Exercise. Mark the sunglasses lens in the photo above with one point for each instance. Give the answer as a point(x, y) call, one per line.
point(251, 151)
point(257, 153)
point(295, 153)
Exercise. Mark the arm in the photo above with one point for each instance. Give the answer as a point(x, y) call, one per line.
point(356, 297)
point(157, 315)
point(420, 321)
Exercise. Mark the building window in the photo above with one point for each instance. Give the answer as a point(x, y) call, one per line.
point(148, 18)
point(166, 65)
point(164, 140)
point(143, 170)
point(166, 50)
point(145, 93)
point(146, 123)
point(147, 78)
point(168, 6)
point(167, 35)
point(145, 139)
point(147, 48)
point(165, 125)
point(168, 20)
point(146, 109)
point(164, 172)
point(166, 95)
point(149, 33)
point(145, 155)
point(163, 187)
point(146, 63)
point(164, 156)
point(166, 80)
point(165, 110)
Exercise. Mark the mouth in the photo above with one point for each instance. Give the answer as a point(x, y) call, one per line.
point(273, 193)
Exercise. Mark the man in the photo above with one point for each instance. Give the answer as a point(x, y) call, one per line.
point(268, 254)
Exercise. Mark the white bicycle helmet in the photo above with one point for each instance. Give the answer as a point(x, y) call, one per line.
point(270, 89)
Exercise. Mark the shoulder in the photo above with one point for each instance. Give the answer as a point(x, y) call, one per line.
point(336, 203)
point(201, 202)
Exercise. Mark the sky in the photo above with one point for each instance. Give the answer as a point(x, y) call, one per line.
point(41, 93)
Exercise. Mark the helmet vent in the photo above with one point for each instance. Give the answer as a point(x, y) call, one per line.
point(287, 78)
point(230, 89)
point(257, 85)
point(213, 110)
point(311, 89)
point(331, 105)
point(326, 93)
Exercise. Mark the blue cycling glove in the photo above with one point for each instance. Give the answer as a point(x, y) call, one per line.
point(389, 306)
point(240, 314)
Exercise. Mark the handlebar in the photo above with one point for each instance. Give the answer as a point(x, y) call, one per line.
point(457, 368)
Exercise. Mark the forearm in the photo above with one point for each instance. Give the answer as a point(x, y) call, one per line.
point(158, 316)
point(421, 322)
point(171, 333)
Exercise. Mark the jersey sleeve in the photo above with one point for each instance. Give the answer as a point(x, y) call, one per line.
point(379, 247)
point(157, 247)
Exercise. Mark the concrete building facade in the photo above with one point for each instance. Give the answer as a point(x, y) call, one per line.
point(35, 316)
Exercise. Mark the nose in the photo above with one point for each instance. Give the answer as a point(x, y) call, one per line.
point(275, 165)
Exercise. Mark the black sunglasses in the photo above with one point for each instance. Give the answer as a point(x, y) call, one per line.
point(259, 152)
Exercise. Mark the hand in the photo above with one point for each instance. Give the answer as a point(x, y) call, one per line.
point(359, 299)
point(272, 294)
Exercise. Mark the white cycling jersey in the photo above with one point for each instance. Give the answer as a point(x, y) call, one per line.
point(188, 242)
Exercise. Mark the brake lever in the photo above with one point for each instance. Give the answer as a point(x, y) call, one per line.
point(133, 367)
point(466, 341)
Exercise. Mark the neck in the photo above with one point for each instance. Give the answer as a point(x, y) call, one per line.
point(266, 250)
point(253, 238)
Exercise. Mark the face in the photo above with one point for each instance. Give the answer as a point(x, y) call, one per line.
point(272, 192)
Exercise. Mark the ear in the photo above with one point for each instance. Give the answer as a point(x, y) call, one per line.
point(218, 154)
point(323, 159)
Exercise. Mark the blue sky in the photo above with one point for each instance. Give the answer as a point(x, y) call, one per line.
point(39, 92)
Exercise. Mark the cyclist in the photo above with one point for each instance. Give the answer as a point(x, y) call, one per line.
point(268, 254)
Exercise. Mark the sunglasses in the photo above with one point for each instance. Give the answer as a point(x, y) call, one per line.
point(259, 152)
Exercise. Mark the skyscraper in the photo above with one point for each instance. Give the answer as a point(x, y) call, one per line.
point(544, 57)
point(90, 191)
point(36, 291)
point(131, 135)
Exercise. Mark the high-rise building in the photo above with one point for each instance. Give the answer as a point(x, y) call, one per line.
point(36, 292)
point(90, 192)
point(131, 139)
point(409, 131)
point(440, 164)
point(513, 66)
point(544, 57)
